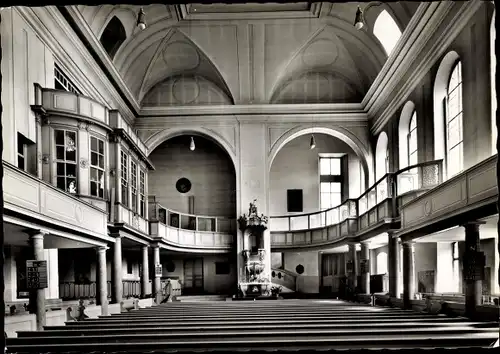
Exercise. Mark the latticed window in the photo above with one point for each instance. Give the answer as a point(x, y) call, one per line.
point(330, 182)
point(133, 184)
point(124, 178)
point(412, 141)
point(66, 157)
point(142, 193)
point(61, 81)
point(96, 167)
point(454, 120)
point(456, 265)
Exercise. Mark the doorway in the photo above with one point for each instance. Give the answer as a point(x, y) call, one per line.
point(193, 276)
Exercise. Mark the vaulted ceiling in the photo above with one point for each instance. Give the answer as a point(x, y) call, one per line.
point(248, 53)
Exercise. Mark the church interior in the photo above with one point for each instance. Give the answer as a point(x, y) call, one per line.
point(329, 161)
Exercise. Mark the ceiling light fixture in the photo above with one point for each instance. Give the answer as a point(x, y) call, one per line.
point(141, 22)
point(359, 20)
point(192, 146)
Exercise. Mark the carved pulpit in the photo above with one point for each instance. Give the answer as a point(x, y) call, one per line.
point(256, 281)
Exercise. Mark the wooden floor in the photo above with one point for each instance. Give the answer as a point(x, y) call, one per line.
point(263, 325)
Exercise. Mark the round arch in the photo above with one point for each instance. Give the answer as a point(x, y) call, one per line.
point(163, 135)
point(403, 130)
point(350, 139)
point(381, 156)
point(440, 88)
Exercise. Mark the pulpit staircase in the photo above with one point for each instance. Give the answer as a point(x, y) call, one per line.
point(257, 325)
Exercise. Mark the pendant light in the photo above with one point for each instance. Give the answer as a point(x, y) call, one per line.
point(312, 145)
point(141, 22)
point(192, 146)
point(359, 21)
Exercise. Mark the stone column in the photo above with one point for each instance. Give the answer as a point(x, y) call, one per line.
point(117, 269)
point(157, 279)
point(473, 268)
point(352, 274)
point(365, 268)
point(145, 272)
point(408, 273)
point(393, 263)
point(102, 281)
point(38, 295)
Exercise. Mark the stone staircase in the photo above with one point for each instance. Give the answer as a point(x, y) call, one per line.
point(260, 325)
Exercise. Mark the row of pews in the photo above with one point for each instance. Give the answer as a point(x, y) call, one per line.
point(257, 325)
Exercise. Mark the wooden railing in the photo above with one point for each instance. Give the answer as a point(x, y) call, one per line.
point(131, 288)
point(190, 221)
point(413, 178)
point(74, 291)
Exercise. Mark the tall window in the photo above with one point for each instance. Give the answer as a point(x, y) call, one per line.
point(387, 31)
point(454, 136)
point(96, 167)
point(412, 141)
point(386, 160)
point(330, 182)
point(66, 165)
point(21, 152)
point(142, 193)
point(456, 266)
point(133, 184)
point(124, 177)
point(61, 81)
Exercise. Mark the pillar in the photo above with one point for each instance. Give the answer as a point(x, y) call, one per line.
point(473, 268)
point(393, 263)
point(365, 268)
point(117, 269)
point(38, 295)
point(408, 273)
point(157, 279)
point(352, 272)
point(145, 272)
point(102, 281)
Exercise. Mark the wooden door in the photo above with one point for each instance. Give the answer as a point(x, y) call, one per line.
point(193, 276)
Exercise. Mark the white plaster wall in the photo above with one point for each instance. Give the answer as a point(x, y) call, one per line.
point(307, 282)
point(296, 166)
point(444, 274)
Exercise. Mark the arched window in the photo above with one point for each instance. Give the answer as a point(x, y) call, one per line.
point(412, 141)
point(493, 64)
point(381, 156)
point(453, 122)
point(382, 263)
point(387, 31)
point(113, 36)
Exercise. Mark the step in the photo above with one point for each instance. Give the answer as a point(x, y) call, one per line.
point(279, 342)
point(220, 329)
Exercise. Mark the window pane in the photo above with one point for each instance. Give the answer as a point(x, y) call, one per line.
point(335, 199)
point(324, 187)
point(413, 159)
point(101, 147)
point(71, 155)
point(59, 137)
point(413, 121)
point(455, 131)
point(325, 200)
point(324, 164)
point(93, 144)
point(70, 170)
point(412, 146)
point(93, 158)
point(93, 175)
point(335, 167)
point(455, 160)
point(101, 162)
point(93, 189)
point(335, 187)
point(61, 183)
point(60, 153)
point(60, 169)
point(20, 162)
point(454, 103)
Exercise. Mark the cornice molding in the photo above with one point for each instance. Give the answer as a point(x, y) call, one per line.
point(425, 60)
point(255, 109)
point(99, 50)
point(54, 31)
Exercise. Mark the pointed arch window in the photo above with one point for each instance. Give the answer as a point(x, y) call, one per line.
point(454, 122)
point(113, 36)
point(387, 31)
point(412, 141)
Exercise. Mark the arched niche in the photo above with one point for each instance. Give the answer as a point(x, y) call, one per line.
point(350, 139)
point(403, 130)
point(381, 151)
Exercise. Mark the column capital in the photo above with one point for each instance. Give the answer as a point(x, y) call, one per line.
point(474, 225)
point(116, 234)
point(143, 247)
point(37, 234)
point(408, 244)
point(101, 249)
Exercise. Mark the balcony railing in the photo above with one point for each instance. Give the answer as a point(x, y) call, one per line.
point(372, 207)
point(283, 278)
point(190, 221)
point(74, 291)
point(24, 192)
